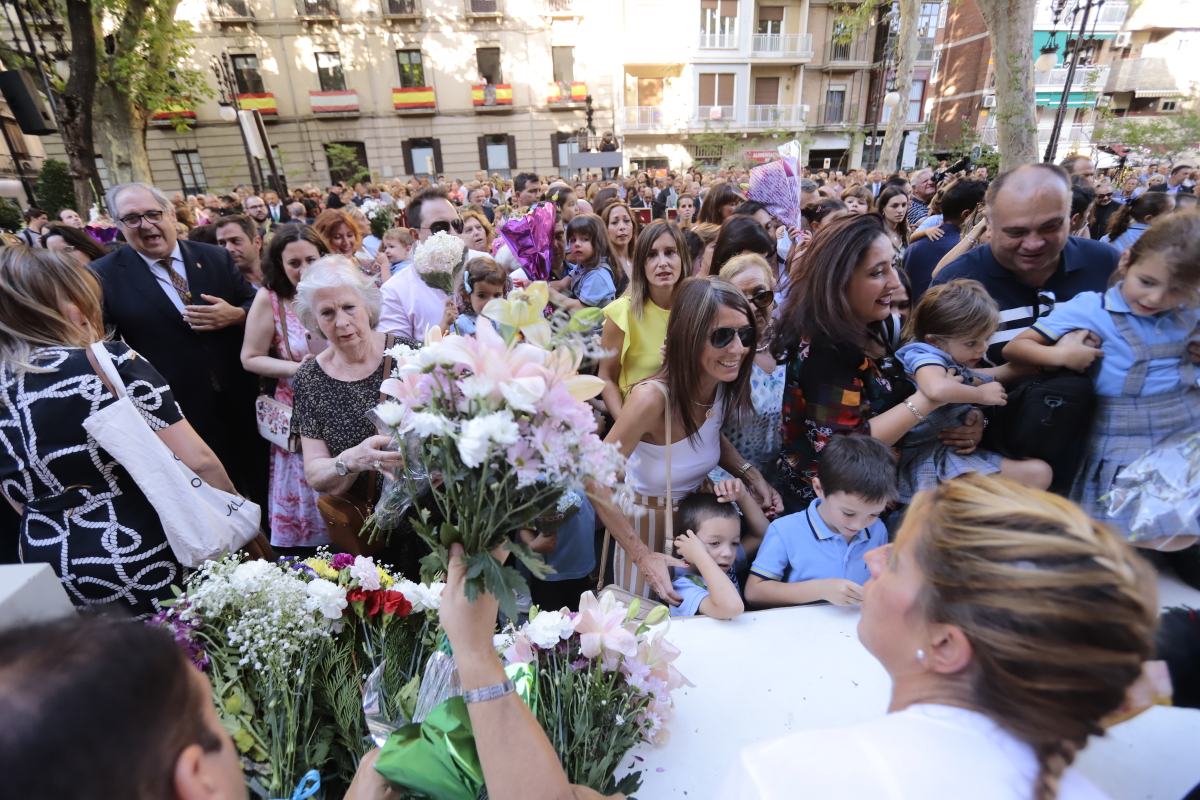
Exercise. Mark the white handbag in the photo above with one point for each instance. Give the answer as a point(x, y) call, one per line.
point(201, 522)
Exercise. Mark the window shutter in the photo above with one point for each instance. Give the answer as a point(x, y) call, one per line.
point(512, 151)
point(770, 13)
point(729, 8)
point(482, 142)
point(437, 156)
point(555, 140)
point(406, 149)
point(724, 90)
point(708, 89)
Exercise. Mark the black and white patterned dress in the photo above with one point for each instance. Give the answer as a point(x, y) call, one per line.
point(84, 515)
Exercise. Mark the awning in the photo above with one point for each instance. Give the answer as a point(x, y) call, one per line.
point(1157, 93)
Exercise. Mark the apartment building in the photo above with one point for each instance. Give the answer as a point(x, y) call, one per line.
point(411, 86)
point(1155, 70)
point(755, 72)
point(963, 97)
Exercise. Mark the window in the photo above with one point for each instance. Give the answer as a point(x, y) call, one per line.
point(770, 20)
point(488, 60)
point(564, 64)
point(916, 98)
point(422, 156)
point(329, 72)
point(766, 91)
point(716, 89)
point(839, 50)
point(835, 105)
point(347, 162)
point(246, 74)
point(399, 8)
point(412, 71)
point(928, 22)
point(1167, 105)
point(191, 172)
point(562, 145)
point(650, 91)
point(498, 154)
point(485, 6)
point(718, 16)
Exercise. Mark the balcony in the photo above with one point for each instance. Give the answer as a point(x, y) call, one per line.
point(566, 95)
point(335, 103)
point(174, 111)
point(644, 118)
point(782, 45)
point(401, 9)
point(414, 100)
point(262, 102)
point(317, 10)
point(564, 8)
point(832, 116)
point(719, 41)
point(483, 8)
point(492, 96)
point(1087, 79)
point(1110, 18)
point(1069, 137)
point(232, 12)
point(716, 116)
point(846, 55)
point(776, 116)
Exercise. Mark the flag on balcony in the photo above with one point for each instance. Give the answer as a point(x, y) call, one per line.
point(562, 91)
point(175, 109)
point(340, 102)
point(499, 94)
point(416, 97)
point(262, 102)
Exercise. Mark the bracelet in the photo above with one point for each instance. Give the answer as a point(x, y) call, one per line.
point(485, 693)
point(744, 468)
point(920, 417)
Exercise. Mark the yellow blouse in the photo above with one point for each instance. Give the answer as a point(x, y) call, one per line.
point(641, 350)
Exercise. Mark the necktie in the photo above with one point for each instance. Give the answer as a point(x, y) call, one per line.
point(177, 281)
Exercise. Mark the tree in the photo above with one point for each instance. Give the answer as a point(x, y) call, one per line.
point(54, 191)
point(907, 42)
point(1167, 136)
point(1010, 25)
point(10, 216)
point(344, 164)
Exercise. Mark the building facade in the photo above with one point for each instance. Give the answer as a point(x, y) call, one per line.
point(756, 71)
point(410, 87)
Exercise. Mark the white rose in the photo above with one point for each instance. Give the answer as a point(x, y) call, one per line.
point(425, 424)
point(548, 628)
point(478, 432)
point(390, 413)
point(326, 597)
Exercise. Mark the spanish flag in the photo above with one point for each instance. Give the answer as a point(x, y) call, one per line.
point(175, 109)
point(417, 97)
point(263, 102)
point(499, 94)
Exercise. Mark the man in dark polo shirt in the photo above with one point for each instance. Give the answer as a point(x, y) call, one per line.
point(1032, 261)
point(958, 204)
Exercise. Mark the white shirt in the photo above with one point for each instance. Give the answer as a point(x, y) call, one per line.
point(921, 752)
point(164, 281)
point(410, 306)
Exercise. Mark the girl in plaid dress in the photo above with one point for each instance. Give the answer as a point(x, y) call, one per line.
point(948, 335)
point(1146, 382)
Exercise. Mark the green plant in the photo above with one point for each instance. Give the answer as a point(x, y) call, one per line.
point(344, 164)
point(10, 215)
point(54, 189)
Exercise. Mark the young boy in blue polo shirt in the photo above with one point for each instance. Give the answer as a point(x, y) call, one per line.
point(817, 554)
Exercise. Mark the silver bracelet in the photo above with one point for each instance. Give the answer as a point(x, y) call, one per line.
point(920, 417)
point(485, 693)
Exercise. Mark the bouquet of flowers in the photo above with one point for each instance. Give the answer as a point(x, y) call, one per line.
point(381, 215)
point(502, 427)
point(603, 684)
point(288, 647)
point(438, 260)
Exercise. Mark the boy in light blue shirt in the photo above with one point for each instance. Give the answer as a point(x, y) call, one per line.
point(817, 554)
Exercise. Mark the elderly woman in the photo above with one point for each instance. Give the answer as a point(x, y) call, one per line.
point(334, 391)
point(81, 512)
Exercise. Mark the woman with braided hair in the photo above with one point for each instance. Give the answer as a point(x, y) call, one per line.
point(1010, 624)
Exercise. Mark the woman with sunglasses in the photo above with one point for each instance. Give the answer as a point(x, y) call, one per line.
point(703, 384)
point(841, 376)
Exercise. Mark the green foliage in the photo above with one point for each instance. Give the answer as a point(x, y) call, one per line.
point(966, 144)
point(1166, 136)
point(54, 189)
point(10, 215)
point(344, 164)
point(853, 20)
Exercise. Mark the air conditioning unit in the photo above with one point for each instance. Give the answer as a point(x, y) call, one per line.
point(1124, 39)
point(989, 101)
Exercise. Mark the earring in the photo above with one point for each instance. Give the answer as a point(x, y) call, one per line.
point(920, 656)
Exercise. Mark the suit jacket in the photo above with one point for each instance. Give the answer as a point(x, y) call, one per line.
point(204, 369)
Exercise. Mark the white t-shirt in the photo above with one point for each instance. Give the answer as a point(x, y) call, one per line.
point(921, 752)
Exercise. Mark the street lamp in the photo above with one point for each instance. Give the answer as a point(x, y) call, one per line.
point(1049, 55)
point(227, 101)
point(1082, 9)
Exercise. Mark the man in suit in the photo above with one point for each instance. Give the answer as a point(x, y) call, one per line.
point(275, 209)
point(183, 305)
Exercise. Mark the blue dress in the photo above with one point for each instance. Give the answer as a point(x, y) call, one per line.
point(924, 460)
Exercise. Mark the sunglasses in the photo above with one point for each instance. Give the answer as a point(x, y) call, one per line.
point(1102, 195)
point(444, 226)
point(762, 299)
point(722, 337)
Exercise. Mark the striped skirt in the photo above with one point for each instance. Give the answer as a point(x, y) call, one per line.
point(1124, 430)
point(650, 525)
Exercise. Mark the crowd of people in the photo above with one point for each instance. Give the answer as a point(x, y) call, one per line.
point(790, 396)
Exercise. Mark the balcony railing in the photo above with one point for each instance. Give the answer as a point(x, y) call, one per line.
point(832, 115)
point(1091, 79)
point(317, 9)
point(563, 7)
point(344, 101)
point(775, 116)
point(566, 93)
point(401, 8)
point(798, 45)
point(1110, 17)
point(231, 10)
point(484, 95)
point(719, 41)
point(483, 7)
point(716, 115)
point(643, 118)
point(1068, 136)
point(414, 100)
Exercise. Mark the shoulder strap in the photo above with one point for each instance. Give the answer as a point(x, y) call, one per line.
point(670, 501)
point(282, 312)
point(106, 369)
point(389, 341)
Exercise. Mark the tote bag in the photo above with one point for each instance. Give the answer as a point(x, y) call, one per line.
point(201, 522)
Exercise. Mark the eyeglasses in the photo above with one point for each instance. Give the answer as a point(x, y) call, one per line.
point(1102, 195)
point(134, 220)
point(762, 299)
point(443, 226)
point(722, 337)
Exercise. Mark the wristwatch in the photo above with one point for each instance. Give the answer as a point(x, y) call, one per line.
point(341, 468)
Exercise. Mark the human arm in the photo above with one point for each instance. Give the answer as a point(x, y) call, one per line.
point(449, 314)
point(538, 541)
point(612, 340)
point(764, 593)
point(1034, 348)
point(564, 301)
point(733, 490)
point(890, 426)
point(965, 245)
point(189, 448)
point(320, 466)
point(732, 462)
point(723, 601)
point(256, 344)
point(939, 385)
point(216, 315)
point(1194, 351)
point(932, 233)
